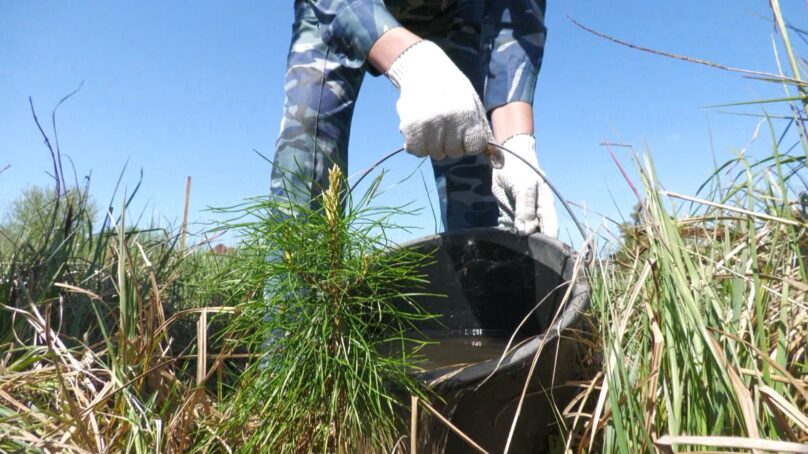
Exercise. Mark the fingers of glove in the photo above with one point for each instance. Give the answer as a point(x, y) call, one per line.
point(441, 113)
point(526, 218)
point(475, 141)
point(505, 222)
point(439, 131)
point(413, 142)
point(548, 224)
point(479, 134)
point(453, 144)
point(504, 202)
point(434, 129)
point(527, 227)
point(547, 211)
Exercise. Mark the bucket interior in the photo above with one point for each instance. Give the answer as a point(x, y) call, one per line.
point(483, 284)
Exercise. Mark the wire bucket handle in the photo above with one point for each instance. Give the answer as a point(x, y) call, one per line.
point(494, 158)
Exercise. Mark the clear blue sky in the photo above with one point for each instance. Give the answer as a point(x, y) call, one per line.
point(183, 88)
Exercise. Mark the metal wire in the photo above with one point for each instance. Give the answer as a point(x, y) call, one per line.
point(538, 172)
point(373, 166)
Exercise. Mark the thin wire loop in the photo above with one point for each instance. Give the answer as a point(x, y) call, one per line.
point(541, 175)
point(373, 166)
point(538, 172)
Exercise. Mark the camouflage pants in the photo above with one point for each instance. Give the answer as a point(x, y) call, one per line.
point(321, 91)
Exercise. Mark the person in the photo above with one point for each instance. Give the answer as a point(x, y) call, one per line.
point(466, 71)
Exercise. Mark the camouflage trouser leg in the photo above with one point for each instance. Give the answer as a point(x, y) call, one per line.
point(315, 129)
point(320, 97)
point(464, 185)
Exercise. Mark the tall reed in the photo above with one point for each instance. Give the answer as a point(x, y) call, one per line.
point(701, 314)
point(86, 362)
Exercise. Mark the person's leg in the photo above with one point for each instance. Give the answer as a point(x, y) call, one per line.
point(464, 185)
point(315, 128)
point(319, 104)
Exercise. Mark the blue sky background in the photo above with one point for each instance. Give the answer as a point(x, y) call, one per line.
point(184, 88)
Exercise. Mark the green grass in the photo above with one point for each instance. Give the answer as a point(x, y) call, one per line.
point(702, 319)
point(84, 349)
point(701, 313)
point(86, 360)
point(101, 333)
point(324, 298)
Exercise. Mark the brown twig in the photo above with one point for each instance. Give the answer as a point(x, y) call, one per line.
point(47, 142)
point(698, 61)
point(413, 424)
point(451, 426)
point(185, 213)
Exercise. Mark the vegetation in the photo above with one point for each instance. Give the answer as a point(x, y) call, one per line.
point(85, 361)
point(701, 315)
point(30, 216)
point(702, 320)
point(322, 308)
point(97, 327)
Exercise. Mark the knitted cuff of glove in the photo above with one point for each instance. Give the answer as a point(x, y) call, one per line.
point(516, 135)
point(399, 69)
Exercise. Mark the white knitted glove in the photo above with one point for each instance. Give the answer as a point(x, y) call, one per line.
point(526, 202)
point(441, 114)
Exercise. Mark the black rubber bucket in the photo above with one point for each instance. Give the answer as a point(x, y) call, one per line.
point(486, 283)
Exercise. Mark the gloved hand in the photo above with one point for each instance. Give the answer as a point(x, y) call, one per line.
point(526, 202)
point(441, 114)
